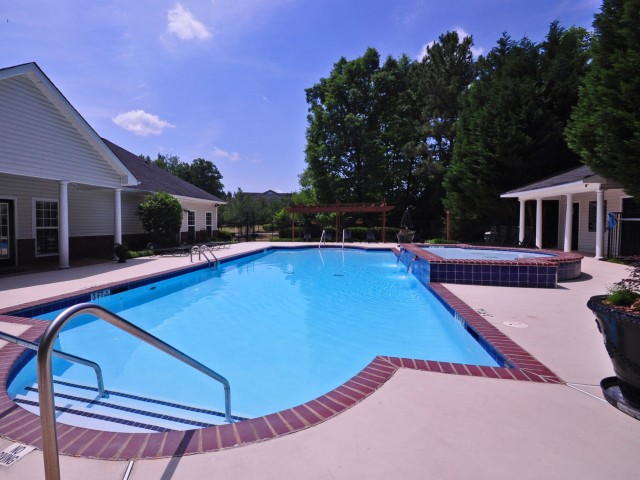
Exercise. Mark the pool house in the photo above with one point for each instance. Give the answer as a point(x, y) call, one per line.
point(579, 210)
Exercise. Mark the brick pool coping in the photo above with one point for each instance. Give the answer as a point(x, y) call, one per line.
point(540, 272)
point(558, 256)
point(22, 426)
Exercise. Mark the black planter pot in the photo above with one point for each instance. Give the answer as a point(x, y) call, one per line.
point(405, 237)
point(621, 332)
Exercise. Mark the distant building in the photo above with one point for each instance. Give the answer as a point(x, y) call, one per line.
point(269, 195)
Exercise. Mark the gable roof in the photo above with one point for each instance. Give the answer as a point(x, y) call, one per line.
point(268, 195)
point(577, 180)
point(33, 72)
point(570, 176)
point(155, 179)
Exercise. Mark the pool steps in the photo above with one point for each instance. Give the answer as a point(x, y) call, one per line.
point(80, 405)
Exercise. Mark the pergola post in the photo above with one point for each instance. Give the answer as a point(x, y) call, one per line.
point(384, 227)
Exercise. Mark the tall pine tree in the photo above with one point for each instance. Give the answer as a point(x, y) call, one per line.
point(605, 126)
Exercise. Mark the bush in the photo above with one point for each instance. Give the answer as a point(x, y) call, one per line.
point(161, 216)
point(441, 241)
point(626, 292)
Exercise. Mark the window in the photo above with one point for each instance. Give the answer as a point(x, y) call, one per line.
point(593, 214)
point(208, 223)
point(46, 216)
point(191, 225)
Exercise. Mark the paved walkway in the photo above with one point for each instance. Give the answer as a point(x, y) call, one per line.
point(418, 424)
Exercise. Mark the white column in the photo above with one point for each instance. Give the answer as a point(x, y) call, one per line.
point(521, 224)
point(63, 225)
point(568, 222)
point(117, 237)
point(539, 222)
point(599, 224)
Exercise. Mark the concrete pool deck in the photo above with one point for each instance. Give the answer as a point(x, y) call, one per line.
point(418, 424)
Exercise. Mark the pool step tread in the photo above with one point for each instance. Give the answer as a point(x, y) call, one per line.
point(79, 412)
point(207, 412)
point(77, 405)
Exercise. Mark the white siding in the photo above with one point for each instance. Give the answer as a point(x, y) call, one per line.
point(23, 190)
point(37, 140)
point(91, 212)
point(200, 208)
point(130, 221)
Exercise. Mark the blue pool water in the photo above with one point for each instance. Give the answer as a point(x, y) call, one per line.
point(459, 253)
point(284, 327)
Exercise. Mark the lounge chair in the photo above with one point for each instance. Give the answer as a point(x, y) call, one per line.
point(346, 235)
point(307, 236)
point(371, 236)
point(491, 237)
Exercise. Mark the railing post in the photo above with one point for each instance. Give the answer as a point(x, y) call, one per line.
point(45, 374)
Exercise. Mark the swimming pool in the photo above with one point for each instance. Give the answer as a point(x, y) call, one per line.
point(283, 326)
point(495, 266)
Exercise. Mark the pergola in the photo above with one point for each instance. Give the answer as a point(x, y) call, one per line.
point(341, 208)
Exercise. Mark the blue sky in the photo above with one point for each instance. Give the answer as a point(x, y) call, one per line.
point(224, 80)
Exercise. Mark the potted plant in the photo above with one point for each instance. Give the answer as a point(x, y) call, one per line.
point(618, 319)
point(122, 252)
point(405, 235)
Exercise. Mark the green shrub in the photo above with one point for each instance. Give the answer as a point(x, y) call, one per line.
point(441, 240)
point(622, 297)
point(161, 217)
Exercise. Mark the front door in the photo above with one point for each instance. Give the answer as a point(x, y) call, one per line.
point(7, 234)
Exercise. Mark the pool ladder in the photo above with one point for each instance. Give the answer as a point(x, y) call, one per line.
point(45, 374)
point(203, 250)
point(57, 353)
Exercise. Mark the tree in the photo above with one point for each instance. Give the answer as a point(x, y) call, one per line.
point(201, 173)
point(161, 216)
point(242, 207)
point(605, 126)
point(351, 117)
point(442, 77)
point(511, 124)
point(205, 175)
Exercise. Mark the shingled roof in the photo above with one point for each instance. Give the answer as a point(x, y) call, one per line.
point(155, 179)
point(570, 176)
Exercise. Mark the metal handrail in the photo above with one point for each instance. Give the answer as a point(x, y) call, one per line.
point(45, 374)
point(322, 239)
point(67, 356)
point(202, 250)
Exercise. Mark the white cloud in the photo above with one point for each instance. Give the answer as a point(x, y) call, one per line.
point(476, 51)
point(185, 26)
point(141, 123)
point(220, 153)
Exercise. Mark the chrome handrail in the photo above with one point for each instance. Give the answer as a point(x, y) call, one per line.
point(45, 374)
point(202, 250)
point(67, 356)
